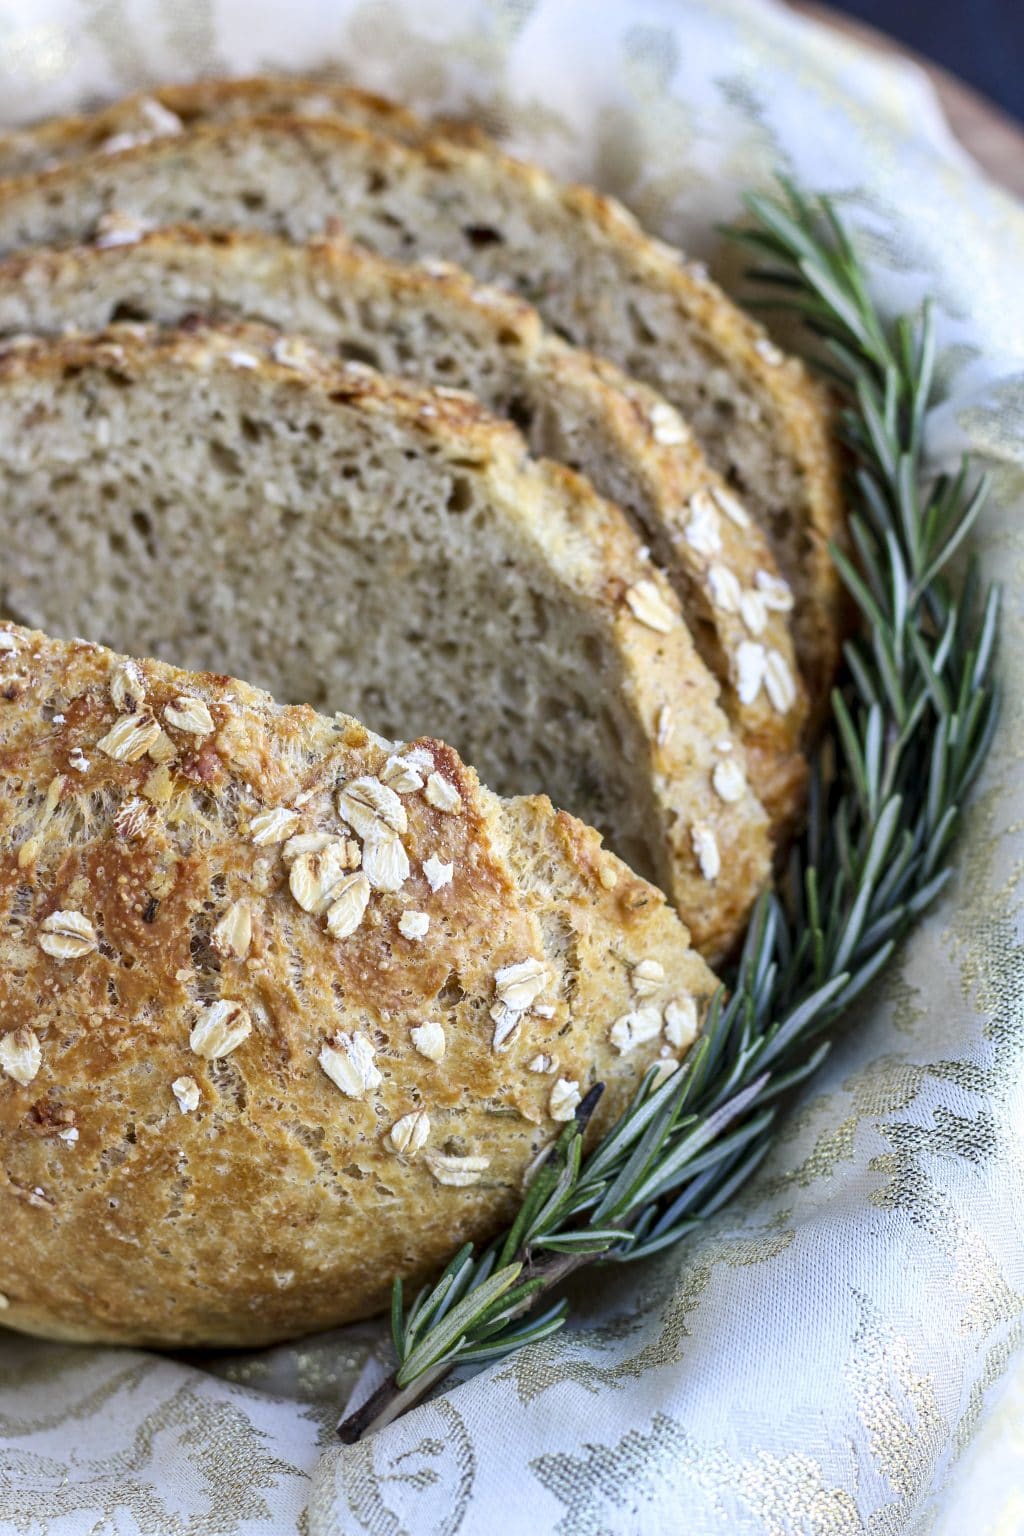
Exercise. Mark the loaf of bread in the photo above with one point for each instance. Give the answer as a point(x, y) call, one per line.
point(289, 1007)
point(436, 325)
point(230, 501)
point(592, 273)
point(286, 1009)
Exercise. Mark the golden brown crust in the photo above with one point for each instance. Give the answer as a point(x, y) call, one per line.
point(167, 109)
point(278, 1204)
point(724, 615)
point(801, 412)
point(651, 454)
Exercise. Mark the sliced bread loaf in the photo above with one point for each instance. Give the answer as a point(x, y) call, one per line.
point(230, 500)
point(438, 326)
point(244, 1080)
point(168, 109)
point(585, 263)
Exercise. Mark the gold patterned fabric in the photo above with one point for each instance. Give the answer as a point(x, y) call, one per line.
point(840, 1352)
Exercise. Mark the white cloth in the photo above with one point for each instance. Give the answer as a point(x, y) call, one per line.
point(820, 1360)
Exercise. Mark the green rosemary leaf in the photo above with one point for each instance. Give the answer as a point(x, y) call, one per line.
point(398, 1318)
point(878, 932)
point(882, 645)
point(858, 587)
point(721, 1146)
point(647, 1103)
point(429, 1311)
point(789, 237)
point(870, 559)
point(878, 848)
point(872, 417)
point(926, 895)
point(964, 523)
point(862, 978)
point(583, 1241)
point(471, 1309)
point(982, 743)
point(782, 1035)
point(530, 1332)
point(987, 640)
point(938, 776)
point(909, 507)
point(850, 737)
point(621, 1194)
point(567, 1181)
point(900, 867)
point(860, 673)
point(938, 690)
point(507, 1308)
point(663, 1174)
point(783, 1082)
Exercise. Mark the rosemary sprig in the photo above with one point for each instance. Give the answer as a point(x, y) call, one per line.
point(913, 721)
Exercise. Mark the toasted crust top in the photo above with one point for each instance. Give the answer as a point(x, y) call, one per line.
point(168, 109)
point(205, 1059)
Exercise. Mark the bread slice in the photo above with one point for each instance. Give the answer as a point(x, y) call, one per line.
point(169, 109)
point(438, 326)
point(580, 258)
point(243, 1083)
point(229, 500)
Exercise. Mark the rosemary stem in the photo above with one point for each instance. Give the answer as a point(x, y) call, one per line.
point(389, 1401)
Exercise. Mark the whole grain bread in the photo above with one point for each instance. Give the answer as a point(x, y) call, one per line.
point(229, 499)
point(436, 325)
point(244, 1081)
point(580, 258)
point(168, 109)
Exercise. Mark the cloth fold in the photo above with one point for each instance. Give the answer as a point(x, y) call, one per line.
point(840, 1351)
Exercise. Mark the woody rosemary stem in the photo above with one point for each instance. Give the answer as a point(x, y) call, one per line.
point(389, 1401)
point(913, 720)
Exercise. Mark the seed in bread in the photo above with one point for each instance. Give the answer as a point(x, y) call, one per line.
point(233, 1143)
point(167, 110)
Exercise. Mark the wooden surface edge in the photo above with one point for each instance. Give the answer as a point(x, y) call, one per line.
point(989, 135)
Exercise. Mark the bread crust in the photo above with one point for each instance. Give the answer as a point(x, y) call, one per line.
point(636, 451)
point(278, 1204)
point(587, 542)
point(168, 109)
point(797, 410)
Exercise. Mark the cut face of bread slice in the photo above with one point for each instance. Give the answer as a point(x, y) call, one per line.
point(245, 1079)
point(169, 109)
point(438, 326)
point(229, 500)
point(581, 259)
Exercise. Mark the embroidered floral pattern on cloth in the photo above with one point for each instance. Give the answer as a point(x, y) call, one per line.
point(839, 1352)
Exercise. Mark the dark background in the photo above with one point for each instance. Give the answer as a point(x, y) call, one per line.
point(982, 41)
